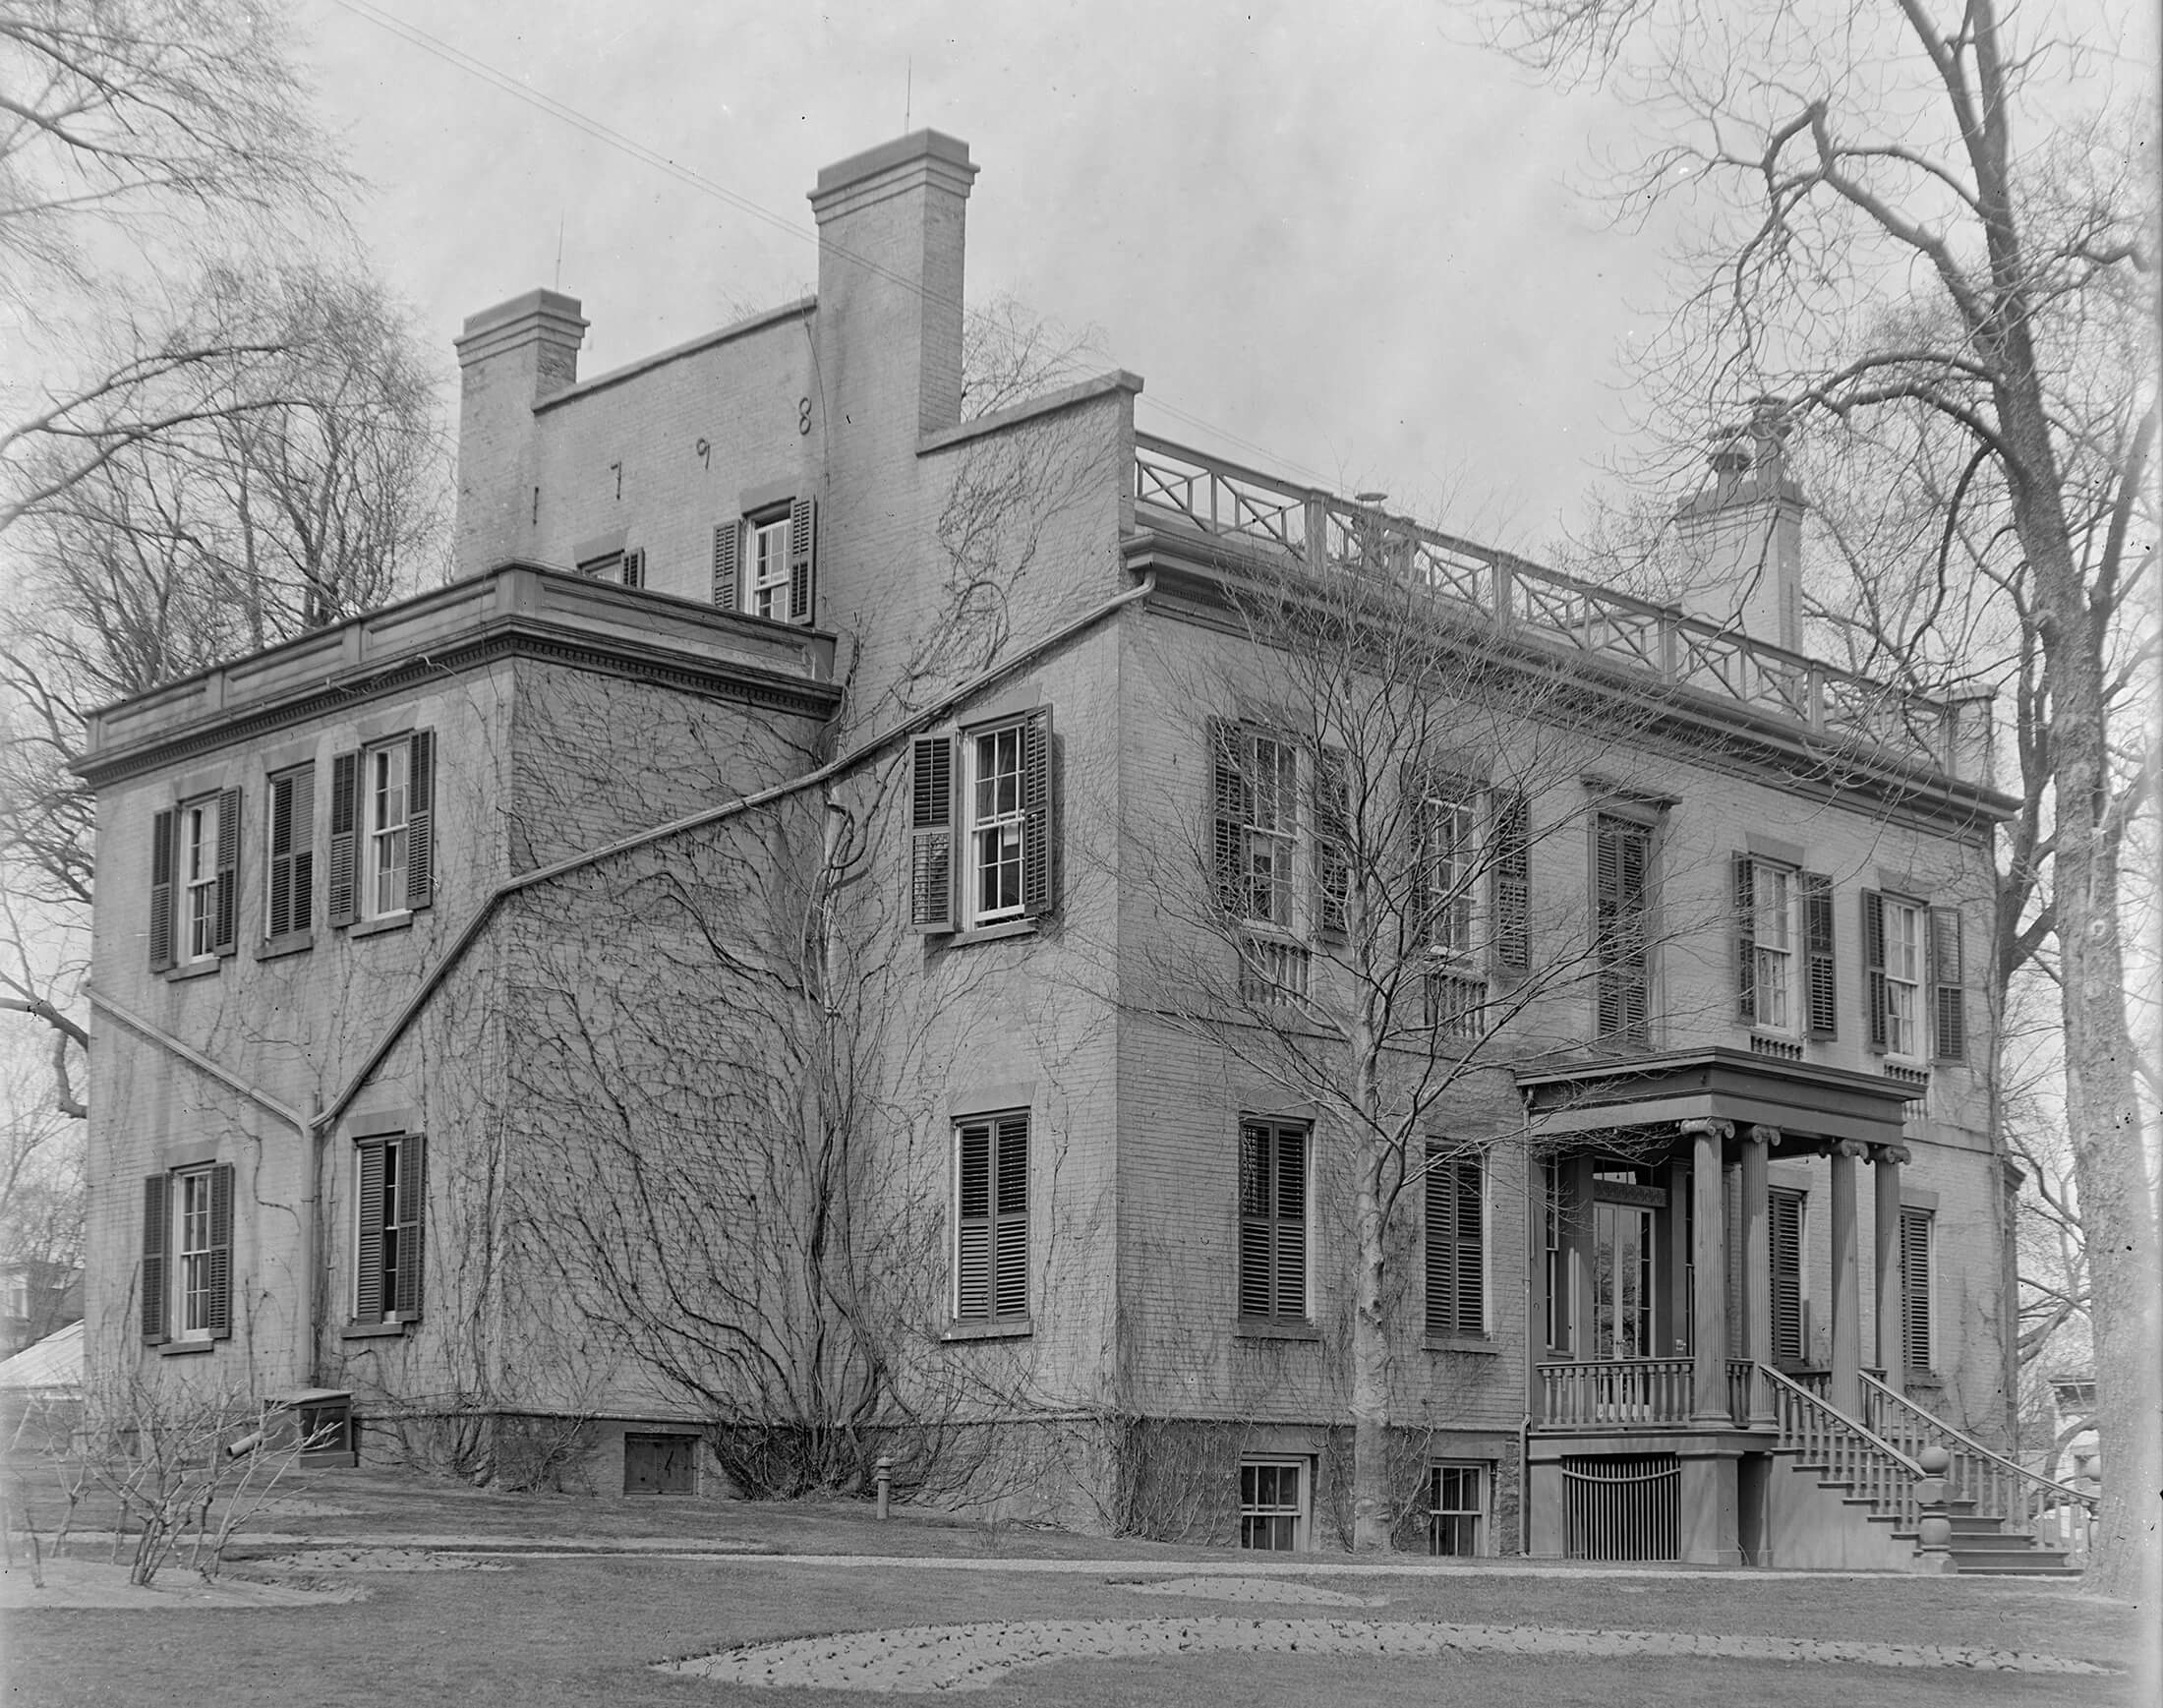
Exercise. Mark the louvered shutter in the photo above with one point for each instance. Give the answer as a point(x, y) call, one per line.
point(634, 568)
point(1230, 811)
point(412, 1213)
point(802, 559)
point(1471, 1247)
point(155, 1221)
point(1875, 994)
point(368, 1248)
point(931, 833)
point(1332, 841)
point(1039, 864)
point(420, 820)
point(1620, 870)
point(1733, 1258)
point(1915, 1289)
point(974, 1226)
point(1420, 921)
point(1821, 983)
point(1948, 1001)
point(1512, 867)
point(1011, 1206)
point(1785, 1216)
point(221, 1252)
point(341, 901)
point(728, 558)
point(292, 856)
point(1257, 1235)
point(1746, 873)
point(225, 918)
point(162, 831)
point(1290, 1189)
point(1456, 1269)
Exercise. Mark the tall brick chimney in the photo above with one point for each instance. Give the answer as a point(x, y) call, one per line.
point(1741, 537)
point(510, 358)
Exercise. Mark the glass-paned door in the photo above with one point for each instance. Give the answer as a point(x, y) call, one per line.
point(1623, 1285)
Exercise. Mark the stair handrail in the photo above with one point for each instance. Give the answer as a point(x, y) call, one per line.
point(1888, 1487)
point(1953, 1438)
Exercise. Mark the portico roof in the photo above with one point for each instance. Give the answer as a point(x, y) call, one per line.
point(1803, 1099)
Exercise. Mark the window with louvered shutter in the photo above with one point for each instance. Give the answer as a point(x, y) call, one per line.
point(390, 1212)
point(1272, 1222)
point(1621, 905)
point(1948, 975)
point(992, 1219)
point(1915, 1337)
point(1819, 977)
point(1456, 1244)
point(291, 855)
point(369, 1223)
point(1785, 1215)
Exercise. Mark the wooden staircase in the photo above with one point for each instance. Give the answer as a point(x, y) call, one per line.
point(1873, 1463)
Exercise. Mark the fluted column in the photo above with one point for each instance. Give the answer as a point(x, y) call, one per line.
point(1892, 1295)
point(1845, 1392)
point(1709, 1297)
point(1757, 1259)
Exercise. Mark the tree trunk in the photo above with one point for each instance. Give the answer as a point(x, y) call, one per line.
point(1370, 1376)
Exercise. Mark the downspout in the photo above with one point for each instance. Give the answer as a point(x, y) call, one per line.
point(1535, 1252)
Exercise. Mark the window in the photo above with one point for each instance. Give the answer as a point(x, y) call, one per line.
point(1448, 815)
point(291, 856)
point(628, 567)
point(1000, 816)
point(765, 565)
point(1784, 950)
point(1258, 828)
point(991, 1251)
point(383, 830)
point(1623, 919)
point(390, 1207)
point(188, 1255)
point(1915, 1339)
point(1272, 1505)
point(1272, 1222)
point(1456, 1509)
point(1914, 973)
point(1784, 1212)
point(195, 881)
point(1456, 1244)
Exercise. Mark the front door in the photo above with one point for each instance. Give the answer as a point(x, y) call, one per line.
point(1623, 1287)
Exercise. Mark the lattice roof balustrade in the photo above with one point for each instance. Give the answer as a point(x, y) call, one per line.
point(1178, 488)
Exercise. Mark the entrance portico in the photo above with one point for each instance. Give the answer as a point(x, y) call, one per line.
point(1657, 1287)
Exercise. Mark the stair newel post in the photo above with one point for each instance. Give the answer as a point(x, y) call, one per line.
point(1934, 1529)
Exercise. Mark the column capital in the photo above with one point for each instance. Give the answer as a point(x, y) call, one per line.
point(1701, 1128)
point(1850, 1148)
point(1757, 1135)
point(1895, 1154)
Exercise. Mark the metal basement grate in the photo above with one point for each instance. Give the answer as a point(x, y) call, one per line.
point(1621, 1507)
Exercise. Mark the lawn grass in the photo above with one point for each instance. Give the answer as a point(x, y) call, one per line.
point(555, 1633)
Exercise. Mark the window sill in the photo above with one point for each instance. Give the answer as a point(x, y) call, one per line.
point(1481, 1345)
point(1257, 1328)
point(292, 943)
point(194, 970)
point(1006, 1328)
point(989, 934)
point(185, 1348)
point(372, 1330)
point(389, 922)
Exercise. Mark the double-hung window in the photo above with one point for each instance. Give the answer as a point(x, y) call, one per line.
point(1256, 790)
point(980, 825)
point(187, 1292)
point(389, 1209)
point(195, 881)
point(1913, 978)
point(383, 830)
point(765, 563)
point(1785, 982)
point(1456, 1244)
point(1272, 1222)
point(1448, 868)
point(991, 1220)
point(1272, 1505)
point(1456, 1509)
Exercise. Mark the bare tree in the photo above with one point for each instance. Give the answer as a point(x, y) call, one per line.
point(1933, 233)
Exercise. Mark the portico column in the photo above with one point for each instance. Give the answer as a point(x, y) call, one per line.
point(1757, 1260)
point(1845, 1392)
point(1709, 1296)
point(1892, 1293)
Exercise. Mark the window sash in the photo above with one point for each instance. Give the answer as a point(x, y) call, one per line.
point(192, 1246)
point(200, 876)
point(1449, 873)
point(1272, 1505)
point(1456, 1506)
point(387, 801)
point(766, 591)
point(997, 819)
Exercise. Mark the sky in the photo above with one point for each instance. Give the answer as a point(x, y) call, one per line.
point(1344, 244)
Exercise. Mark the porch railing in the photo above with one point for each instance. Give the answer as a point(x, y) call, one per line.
point(1211, 496)
point(1874, 1469)
point(2000, 1488)
point(1631, 1390)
